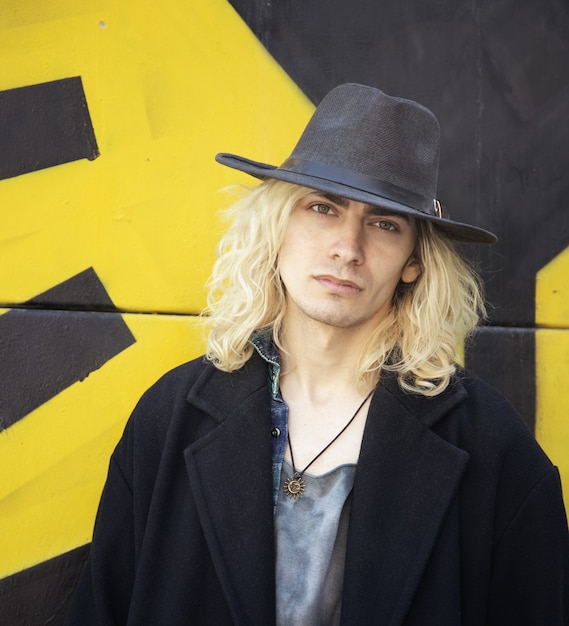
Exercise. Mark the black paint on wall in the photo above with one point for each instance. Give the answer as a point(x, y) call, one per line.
point(506, 358)
point(43, 351)
point(496, 74)
point(39, 596)
point(84, 291)
point(44, 125)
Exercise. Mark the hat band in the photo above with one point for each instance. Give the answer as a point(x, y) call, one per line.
point(362, 182)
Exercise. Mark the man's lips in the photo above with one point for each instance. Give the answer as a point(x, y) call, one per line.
point(338, 285)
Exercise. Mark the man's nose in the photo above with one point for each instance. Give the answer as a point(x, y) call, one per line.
point(348, 242)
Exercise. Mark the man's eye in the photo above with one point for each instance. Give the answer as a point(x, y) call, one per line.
point(323, 209)
point(385, 225)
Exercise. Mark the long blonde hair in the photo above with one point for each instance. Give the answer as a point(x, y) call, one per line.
point(418, 339)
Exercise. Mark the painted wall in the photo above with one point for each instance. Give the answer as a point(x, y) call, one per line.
point(110, 116)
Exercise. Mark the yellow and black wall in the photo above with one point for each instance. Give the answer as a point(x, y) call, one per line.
point(110, 116)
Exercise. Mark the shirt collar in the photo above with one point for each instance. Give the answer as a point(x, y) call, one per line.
point(262, 341)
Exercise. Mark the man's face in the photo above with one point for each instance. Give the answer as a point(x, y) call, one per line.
point(342, 260)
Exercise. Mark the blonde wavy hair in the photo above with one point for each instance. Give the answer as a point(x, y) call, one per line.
point(418, 339)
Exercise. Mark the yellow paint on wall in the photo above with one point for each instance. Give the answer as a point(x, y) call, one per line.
point(167, 89)
point(552, 363)
point(53, 512)
point(54, 461)
point(552, 293)
point(168, 85)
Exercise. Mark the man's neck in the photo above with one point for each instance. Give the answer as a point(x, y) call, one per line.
point(319, 384)
point(320, 359)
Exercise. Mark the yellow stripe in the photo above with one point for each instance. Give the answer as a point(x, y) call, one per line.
point(552, 363)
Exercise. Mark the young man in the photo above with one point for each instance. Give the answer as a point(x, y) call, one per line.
point(327, 462)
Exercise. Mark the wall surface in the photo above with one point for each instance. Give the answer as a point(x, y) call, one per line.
point(110, 116)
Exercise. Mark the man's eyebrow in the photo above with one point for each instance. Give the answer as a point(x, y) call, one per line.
point(332, 197)
point(378, 210)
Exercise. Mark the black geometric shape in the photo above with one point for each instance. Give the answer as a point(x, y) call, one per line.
point(505, 358)
point(42, 352)
point(83, 292)
point(39, 595)
point(44, 125)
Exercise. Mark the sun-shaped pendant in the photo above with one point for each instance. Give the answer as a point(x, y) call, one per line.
point(294, 487)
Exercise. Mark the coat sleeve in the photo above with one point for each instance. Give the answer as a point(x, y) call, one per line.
point(530, 574)
point(103, 592)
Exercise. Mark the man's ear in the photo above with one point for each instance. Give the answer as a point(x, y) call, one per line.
point(411, 271)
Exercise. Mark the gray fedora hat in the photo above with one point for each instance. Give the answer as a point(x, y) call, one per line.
point(364, 145)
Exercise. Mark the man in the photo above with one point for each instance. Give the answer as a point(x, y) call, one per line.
point(327, 462)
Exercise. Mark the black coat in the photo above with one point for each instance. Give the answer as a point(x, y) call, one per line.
point(457, 516)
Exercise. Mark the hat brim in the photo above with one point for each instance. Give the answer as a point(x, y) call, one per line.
point(454, 230)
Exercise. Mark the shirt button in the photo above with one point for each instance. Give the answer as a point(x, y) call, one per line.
point(276, 432)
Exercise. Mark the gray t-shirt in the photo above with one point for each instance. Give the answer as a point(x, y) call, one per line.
point(311, 534)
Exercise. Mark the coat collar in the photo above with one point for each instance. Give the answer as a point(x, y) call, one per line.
point(406, 478)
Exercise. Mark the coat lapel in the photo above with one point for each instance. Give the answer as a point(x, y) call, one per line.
point(406, 478)
point(230, 478)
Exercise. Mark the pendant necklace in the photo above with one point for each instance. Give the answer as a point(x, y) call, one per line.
point(295, 486)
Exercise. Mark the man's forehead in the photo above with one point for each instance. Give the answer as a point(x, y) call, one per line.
point(371, 208)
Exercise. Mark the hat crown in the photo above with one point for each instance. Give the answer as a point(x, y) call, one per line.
point(364, 130)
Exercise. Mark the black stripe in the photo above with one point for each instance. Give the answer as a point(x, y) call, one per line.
point(505, 358)
point(44, 125)
point(42, 352)
point(40, 594)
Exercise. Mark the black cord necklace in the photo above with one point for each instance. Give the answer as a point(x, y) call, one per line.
point(295, 486)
